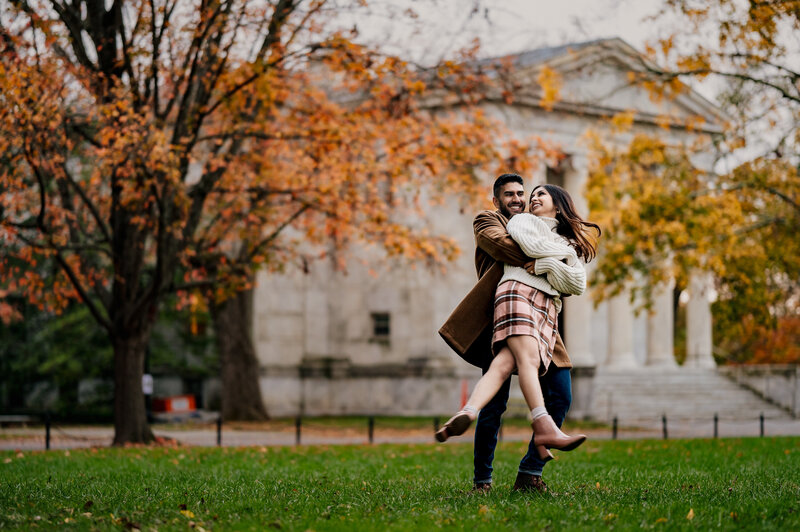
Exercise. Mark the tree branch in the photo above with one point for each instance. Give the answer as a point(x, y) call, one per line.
point(669, 75)
point(283, 9)
point(276, 232)
point(102, 320)
point(89, 204)
point(70, 16)
point(42, 193)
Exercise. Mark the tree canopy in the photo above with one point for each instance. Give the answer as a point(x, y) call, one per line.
point(159, 146)
point(667, 215)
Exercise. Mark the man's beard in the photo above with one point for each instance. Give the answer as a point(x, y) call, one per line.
point(508, 214)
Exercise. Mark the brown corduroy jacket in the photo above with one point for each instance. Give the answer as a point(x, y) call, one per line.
point(468, 330)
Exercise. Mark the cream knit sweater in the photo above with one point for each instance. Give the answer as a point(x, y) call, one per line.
point(558, 270)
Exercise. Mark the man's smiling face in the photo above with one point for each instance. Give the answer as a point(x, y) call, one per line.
point(511, 199)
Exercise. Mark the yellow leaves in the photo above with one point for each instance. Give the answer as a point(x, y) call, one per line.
point(664, 122)
point(667, 44)
point(550, 82)
point(690, 515)
point(622, 121)
point(646, 150)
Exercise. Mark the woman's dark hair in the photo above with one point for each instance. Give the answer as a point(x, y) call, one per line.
point(570, 224)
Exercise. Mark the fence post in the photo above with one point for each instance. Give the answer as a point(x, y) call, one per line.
point(297, 424)
point(761, 422)
point(664, 425)
point(614, 428)
point(371, 428)
point(219, 430)
point(716, 425)
point(47, 430)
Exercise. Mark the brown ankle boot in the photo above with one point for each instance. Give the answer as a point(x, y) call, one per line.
point(455, 426)
point(547, 434)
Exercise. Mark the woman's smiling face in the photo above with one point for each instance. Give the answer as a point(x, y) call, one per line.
point(541, 203)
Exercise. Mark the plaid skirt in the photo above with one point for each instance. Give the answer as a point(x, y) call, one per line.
point(522, 310)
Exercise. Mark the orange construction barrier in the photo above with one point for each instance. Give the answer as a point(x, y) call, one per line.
point(175, 403)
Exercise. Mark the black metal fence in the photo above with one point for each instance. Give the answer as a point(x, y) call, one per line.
point(46, 422)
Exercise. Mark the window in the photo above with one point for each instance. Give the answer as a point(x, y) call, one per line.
point(381, 326)
point(555, 176)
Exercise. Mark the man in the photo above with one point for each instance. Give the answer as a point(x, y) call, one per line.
point(468, 331)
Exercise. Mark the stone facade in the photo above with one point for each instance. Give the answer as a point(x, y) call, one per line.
point(359, 343)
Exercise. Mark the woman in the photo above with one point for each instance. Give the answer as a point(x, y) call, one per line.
point(527, 307)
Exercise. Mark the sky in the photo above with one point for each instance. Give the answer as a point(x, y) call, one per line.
point(504, 26)
point(441, 27)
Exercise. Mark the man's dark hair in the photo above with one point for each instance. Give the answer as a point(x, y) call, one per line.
point(503, 179)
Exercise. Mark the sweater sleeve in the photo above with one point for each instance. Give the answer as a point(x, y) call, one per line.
point(566, 278)
point(491, 236)
point(535, 238)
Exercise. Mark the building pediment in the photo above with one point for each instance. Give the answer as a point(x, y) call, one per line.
point(596, 79)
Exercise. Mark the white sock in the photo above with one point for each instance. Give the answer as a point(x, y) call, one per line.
point(471, 410)
point(538, 412)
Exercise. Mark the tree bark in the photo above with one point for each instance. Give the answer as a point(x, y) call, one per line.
point(239, 368)
point(130, 418)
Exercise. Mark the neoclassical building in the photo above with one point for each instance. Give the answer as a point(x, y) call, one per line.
point(355, 343)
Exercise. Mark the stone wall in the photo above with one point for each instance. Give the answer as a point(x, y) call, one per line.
point(777, 383)
point(335, 386)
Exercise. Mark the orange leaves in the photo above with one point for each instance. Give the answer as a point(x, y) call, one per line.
point(695, 63)
point(180, 159)
point(780, 345)
point(8, 313)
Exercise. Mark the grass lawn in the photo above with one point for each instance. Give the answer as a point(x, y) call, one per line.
point(748, 483)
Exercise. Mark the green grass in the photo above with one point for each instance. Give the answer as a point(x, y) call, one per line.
point(751, 483)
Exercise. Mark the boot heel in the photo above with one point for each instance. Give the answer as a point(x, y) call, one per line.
point(544, 453)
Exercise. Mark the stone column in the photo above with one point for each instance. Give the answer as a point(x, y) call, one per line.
point(698, 321)
point(660, 324)
point(620, 333)
point(577, 316)
point(578, 310)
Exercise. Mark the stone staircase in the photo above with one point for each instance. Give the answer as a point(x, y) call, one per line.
point(642, 395)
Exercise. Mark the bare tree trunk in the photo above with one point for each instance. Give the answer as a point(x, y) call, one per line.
point(130, 418)
point(241, 394)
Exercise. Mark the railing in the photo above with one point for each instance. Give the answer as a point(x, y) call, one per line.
point(359, 430)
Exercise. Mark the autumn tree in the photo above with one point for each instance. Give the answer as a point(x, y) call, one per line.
point(158, 147)
point(735, 216)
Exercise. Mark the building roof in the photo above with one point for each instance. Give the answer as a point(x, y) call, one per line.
point(577, 54)
point(542, 55)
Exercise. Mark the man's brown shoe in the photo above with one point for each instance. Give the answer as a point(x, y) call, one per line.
point(527, 483)
point(482, 487)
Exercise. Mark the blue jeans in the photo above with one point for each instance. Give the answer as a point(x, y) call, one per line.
point(557, 391)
